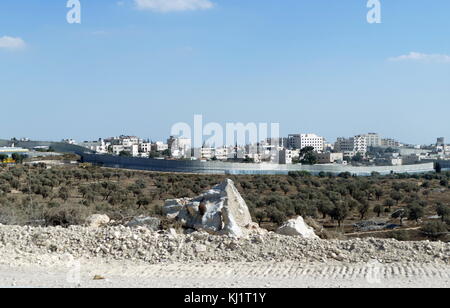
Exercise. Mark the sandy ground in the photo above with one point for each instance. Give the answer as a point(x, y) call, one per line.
point(123, 274)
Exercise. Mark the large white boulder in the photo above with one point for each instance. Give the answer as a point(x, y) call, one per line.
point(220, 210)
point(297, 227)
point(97, 221)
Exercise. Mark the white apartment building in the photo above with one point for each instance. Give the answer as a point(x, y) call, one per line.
point(360, 144)
point(125, 140)
point(373, 140)
point(221, 153)
point(180, 147)
point(132, 149)
point(300, 141)
point(390, 143)
point(351, 146)
point(145, 147)
point(207, 153)
point(159, 146)
point(130, 141)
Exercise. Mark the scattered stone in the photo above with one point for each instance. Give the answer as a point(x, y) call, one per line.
point(97, 221)
point(173, 232)
point(200, 248)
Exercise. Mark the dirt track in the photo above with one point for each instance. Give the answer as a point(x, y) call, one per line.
point(221, 275)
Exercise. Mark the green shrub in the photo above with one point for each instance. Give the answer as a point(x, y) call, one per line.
point(66, 215)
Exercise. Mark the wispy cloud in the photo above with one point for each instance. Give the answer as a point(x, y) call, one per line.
point(11, 43)
point(422, 57)
point(165, 6)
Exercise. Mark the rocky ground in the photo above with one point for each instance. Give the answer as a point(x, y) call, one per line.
point(139, 257)
point(122, 243)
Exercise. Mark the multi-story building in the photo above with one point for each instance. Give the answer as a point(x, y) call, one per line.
point(145, 147)
point(124, 140)
point(285, 157)
point(387, 142)
point(180, 147)
point(330, 158)
point(133, 149)
point(117, 149)
point(300, 141)
point(344, 145)
point(129, 141)
point(207, 153)
point(351, 146)
point(373, 140)
point(222, 153)
point(360, 143)
point(159, 146)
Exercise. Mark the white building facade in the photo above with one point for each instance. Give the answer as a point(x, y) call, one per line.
point(301, 141)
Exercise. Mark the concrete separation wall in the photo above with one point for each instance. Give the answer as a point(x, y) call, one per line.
point(241, 168)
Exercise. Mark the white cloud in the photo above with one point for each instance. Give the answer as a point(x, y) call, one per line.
point(422, 57)
point(7, 42)
point(173, 5)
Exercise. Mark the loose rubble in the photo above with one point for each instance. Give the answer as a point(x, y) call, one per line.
point(152, 223)
point(140, 243)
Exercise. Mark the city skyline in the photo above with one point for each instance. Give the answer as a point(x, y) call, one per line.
point(132, 68)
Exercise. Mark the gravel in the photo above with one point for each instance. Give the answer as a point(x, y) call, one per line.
point(141, 244)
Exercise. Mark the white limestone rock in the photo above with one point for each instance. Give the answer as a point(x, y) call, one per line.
point(220, 210)
point(297, 227)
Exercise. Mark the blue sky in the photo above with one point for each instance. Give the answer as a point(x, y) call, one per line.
point(313, 66)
